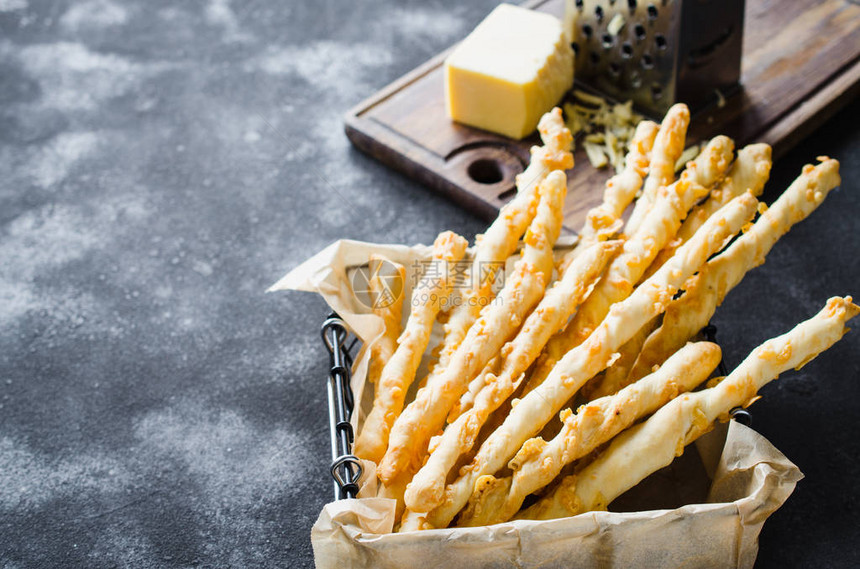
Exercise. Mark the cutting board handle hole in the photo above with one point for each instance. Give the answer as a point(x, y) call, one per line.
point(485, 171)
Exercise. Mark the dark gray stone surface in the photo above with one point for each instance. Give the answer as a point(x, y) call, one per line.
point(161, 164)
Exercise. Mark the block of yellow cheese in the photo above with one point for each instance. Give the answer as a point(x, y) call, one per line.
point(512, 68)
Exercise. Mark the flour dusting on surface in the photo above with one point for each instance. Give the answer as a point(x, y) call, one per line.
point(40, 242)
point(56, 158)
point(330, 66)
point(219, 13)
point(29, 480)
point(422, 24)
point(12, 5)
point(94, 14)
point(231, 457)
point(241, 470)
point(74, 77)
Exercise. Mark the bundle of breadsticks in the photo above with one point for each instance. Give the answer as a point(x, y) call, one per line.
point(577, 376)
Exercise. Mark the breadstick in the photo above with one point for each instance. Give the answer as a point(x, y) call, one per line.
point(604, 221)
point(394, 491)
point(668, 147)
point(498, 322)
point(749, 172)
point(592, 356)
point(501, 238)
point(616, 376)
point(691, 312)
point(646, 448)
point(399, 372)
point(388, 311)
point(413, 521)
point(425, 490)
point(658, 228)
point(467, 400)
point(538, 462)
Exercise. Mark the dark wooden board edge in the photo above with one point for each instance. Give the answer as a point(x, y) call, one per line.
point(379, 141)
point(806, 116)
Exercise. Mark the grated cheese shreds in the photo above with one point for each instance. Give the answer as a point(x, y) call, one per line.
point(605, 128)
point(616, 24)
point(596, 154)
point(685, 157)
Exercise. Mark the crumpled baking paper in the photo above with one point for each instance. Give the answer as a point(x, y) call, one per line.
point(734, 475)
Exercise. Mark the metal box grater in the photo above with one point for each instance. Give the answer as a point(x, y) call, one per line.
point(658, 52)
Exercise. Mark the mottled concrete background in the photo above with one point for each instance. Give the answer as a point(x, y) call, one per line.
point(162, 163)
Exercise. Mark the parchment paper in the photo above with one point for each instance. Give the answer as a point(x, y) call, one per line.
point(735, 475)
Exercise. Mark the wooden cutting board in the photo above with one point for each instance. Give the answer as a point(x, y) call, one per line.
point(801, 63)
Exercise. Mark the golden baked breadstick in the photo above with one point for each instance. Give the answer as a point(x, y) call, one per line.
point(538, 462)
point(707, 169)
point(749, 172)
point(646, 448)
point(389, 311)
point(425, 416)
point(425, 490)
point(592, 356)
point(616, 376)
point(467, 400)
point(604, 221)
point(501, 238)
point(399, 372)
point(687, 315)
point(413, 521)
point(394, 491)
point(668, 147)
point(658, 228)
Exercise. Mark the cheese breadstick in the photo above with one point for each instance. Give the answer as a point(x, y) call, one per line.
point(467, 400)
point(668, 147)
point(687, 315)
point(604, 221)
point(592, 356)
point(646, 448)
point(749, 172)
point(617, 375)
point(399, 372)
point(501, 238)
point(425, 490)
point(388, 309)
point(425, 416)
point(658, 228)
point(538, 462)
